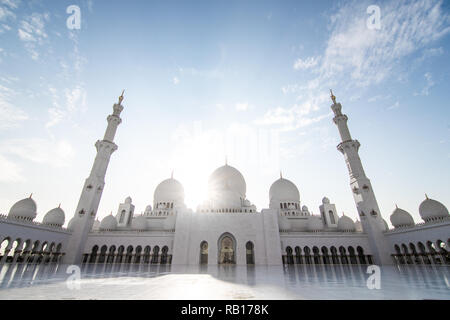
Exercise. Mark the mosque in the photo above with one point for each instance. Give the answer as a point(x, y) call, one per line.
point(226, 228)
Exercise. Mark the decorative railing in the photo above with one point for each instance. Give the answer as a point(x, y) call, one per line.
point(4, 217)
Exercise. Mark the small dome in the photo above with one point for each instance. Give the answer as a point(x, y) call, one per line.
point(169, 190)
point(128, 199)
point(401, 218)
point(73, 223)
point(139, 223)
point(108, 223)
point(346, 224)
point(55, 217)
point(284, 190)
point(23, 209)
point(315, 223)
point(96, 225)
point(148, 208)
point(325, 200)
point(247, 203)
point(431, 209)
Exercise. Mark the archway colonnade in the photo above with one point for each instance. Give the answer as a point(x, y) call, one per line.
point(429, 252)
point(326, 255)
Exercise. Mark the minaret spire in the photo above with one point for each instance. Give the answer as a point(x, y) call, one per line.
point(363, 194)
point(93, 188)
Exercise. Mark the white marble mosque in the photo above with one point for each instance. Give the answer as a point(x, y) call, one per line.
point(226, 228)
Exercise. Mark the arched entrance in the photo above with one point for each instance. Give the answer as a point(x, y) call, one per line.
point(227, 249)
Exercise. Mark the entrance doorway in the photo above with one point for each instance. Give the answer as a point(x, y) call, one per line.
point(227, 246)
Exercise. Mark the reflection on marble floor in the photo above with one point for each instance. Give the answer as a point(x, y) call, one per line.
point(48, 281)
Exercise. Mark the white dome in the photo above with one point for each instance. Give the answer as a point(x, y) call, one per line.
point(346, 224)
point(96, 225)
point(108, 223)
point(226, 199)
point(23, 209)
point(284, 190)
point(325, 200)
point(226, 178)
point(431, 209)
point(148, 208)
point(54, 217)
point(400, 218)
point(315, 223)
point(169, 190)
point(128, 199)
point(74, 222)
point(384, 225)
point(139, 223)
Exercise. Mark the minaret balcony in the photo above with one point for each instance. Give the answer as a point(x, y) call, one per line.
point(346, 145)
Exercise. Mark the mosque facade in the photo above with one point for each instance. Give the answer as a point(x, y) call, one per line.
point(226, 228)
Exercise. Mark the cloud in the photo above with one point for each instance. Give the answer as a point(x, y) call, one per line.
point(430, 83)
point(175, 80)
point(242, 106)
point(32, 32)
point(306, 64)
point(10, 115)
point(10, 172)
point(394, 106)
point(57, 153)
point(65, 106)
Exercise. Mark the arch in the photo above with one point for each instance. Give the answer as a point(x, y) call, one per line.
point(4, 246)
point(307, 251)
point(111, 253)
point(334, 255)
point(226, 249)
point(331, 215)
point(298, 255)
point(343, 254)
point(351, 253)
point(93, 254)
point(361, 257)
point(102, 256)
point(406, 253)
point(289, 257)
point(155, 256)
point(325, 257)
point(137, 258)
point(316, 253)
point(204, 252)
point(129, 254)
point(414, 253)
point(442, 247)
point(147, 252)
point(250, 253)
point(164, 254)
point(122, 216)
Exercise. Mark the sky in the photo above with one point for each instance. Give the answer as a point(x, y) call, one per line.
point(205, 81)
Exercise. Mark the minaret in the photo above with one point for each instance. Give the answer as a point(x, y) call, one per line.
point(93, 189)
point(366, 203)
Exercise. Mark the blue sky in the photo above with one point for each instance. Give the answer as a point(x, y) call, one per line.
point(205, 80)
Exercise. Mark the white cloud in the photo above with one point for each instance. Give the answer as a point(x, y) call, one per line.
point(73, 100)
point(10, 115)
point(10, 172)
point(306, 64)
point(175, 80)
point(242, 106)
point(32, 32)
point(430, 83)
point(58, 153)
point(394, 106)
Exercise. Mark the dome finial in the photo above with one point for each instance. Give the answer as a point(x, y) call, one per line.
point(226, 160)
point(59, 205)
point(343, 213)
point(281, 174)
point(426, 196)
point(333, 98)
point(396, 206)
point(121, 97)
point(171, 175)
point(31, 195)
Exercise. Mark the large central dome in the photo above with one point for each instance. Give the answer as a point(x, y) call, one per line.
point(227, 178)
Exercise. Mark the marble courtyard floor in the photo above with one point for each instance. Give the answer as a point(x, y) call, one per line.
point(224, 282)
